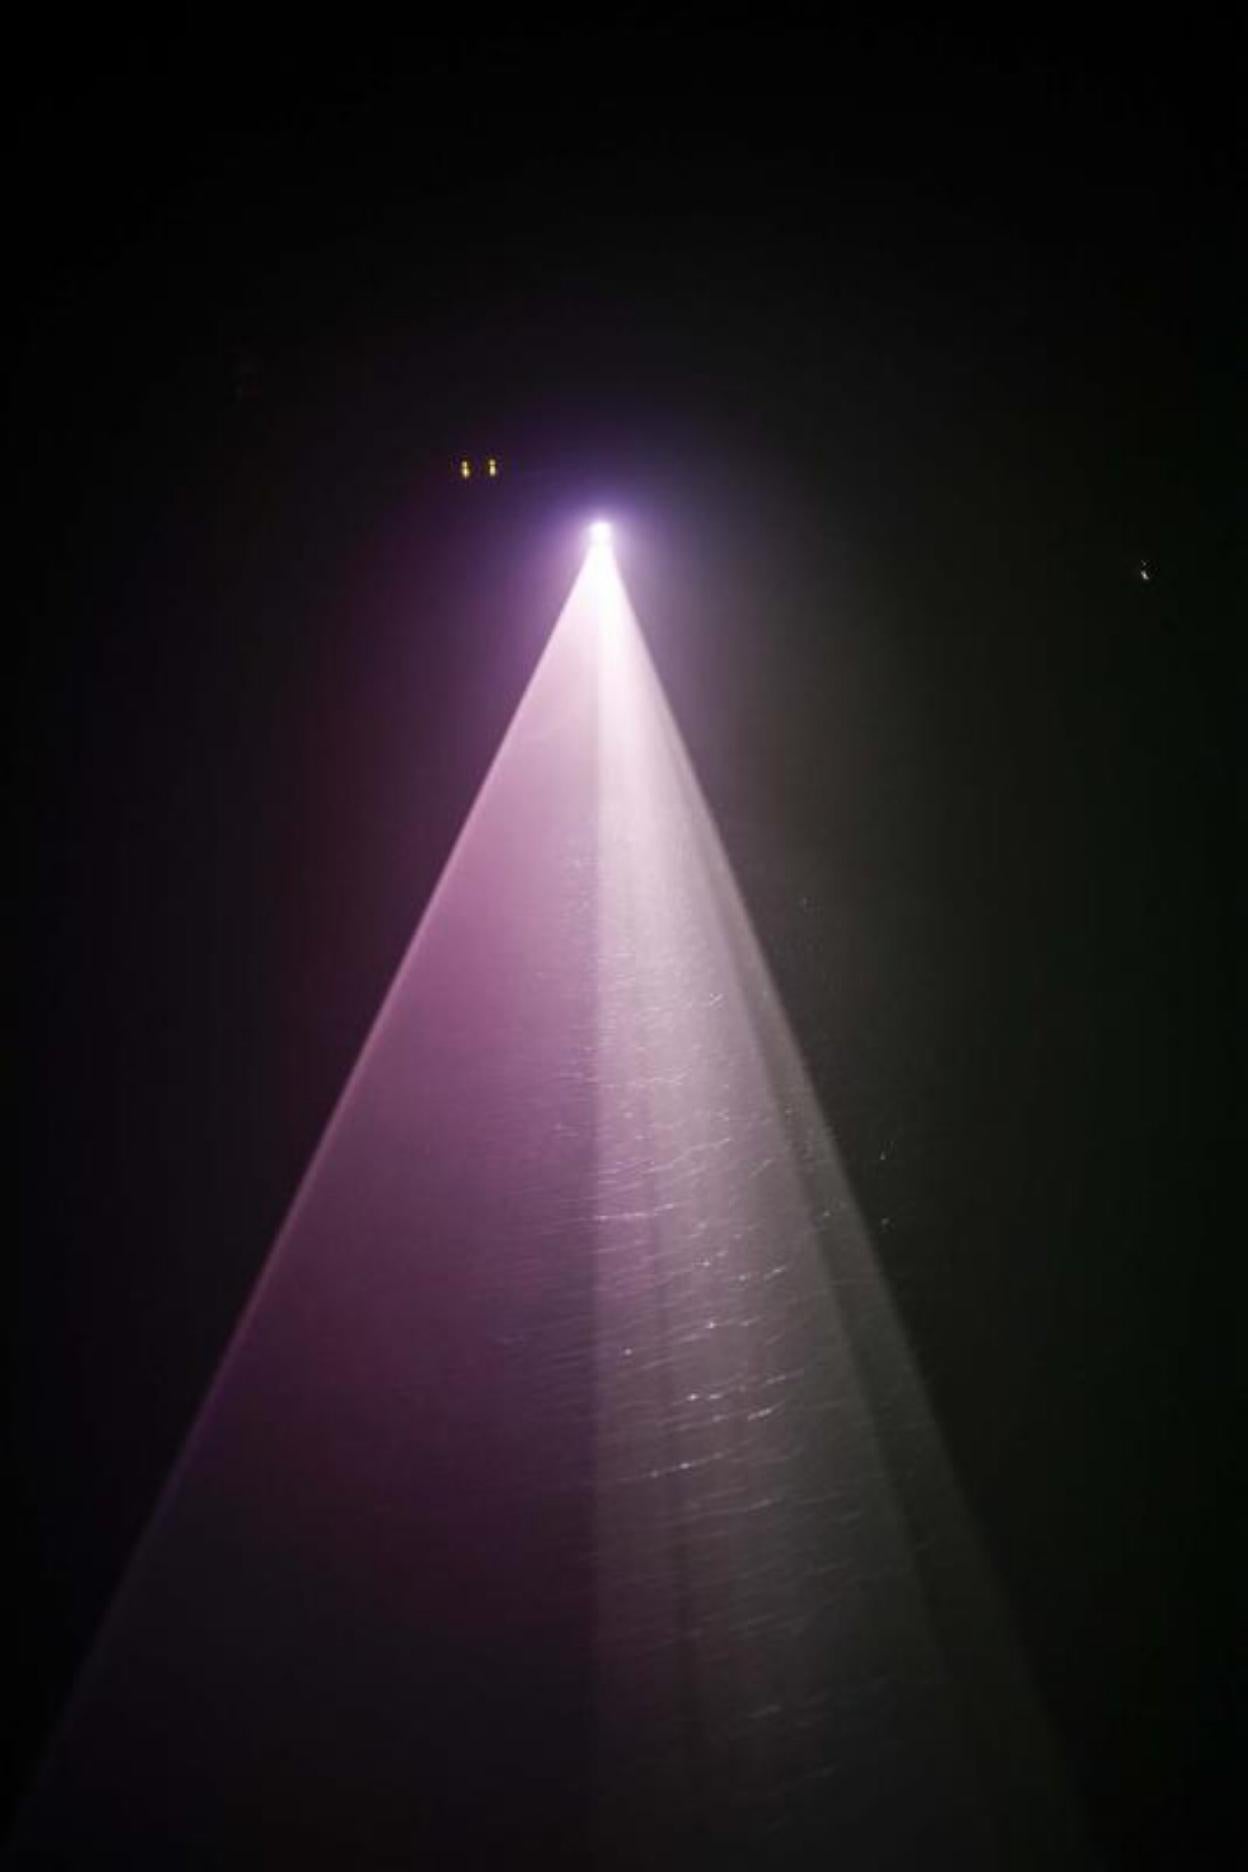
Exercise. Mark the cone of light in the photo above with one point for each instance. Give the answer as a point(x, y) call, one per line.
point(573, 1345)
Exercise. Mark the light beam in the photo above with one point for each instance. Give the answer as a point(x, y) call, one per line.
point(573, 1347)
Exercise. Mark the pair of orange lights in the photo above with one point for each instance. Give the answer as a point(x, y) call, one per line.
point(487, 469)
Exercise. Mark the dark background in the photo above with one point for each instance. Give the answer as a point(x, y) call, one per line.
point(896, 354)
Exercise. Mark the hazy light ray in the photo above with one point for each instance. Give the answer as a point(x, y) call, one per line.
point(771, 1675)
point(578, 1169)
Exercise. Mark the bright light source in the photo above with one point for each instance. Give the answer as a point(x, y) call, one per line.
point(465, 470)
point(600, 532)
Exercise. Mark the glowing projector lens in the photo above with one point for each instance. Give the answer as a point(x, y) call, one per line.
point(600, 532)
